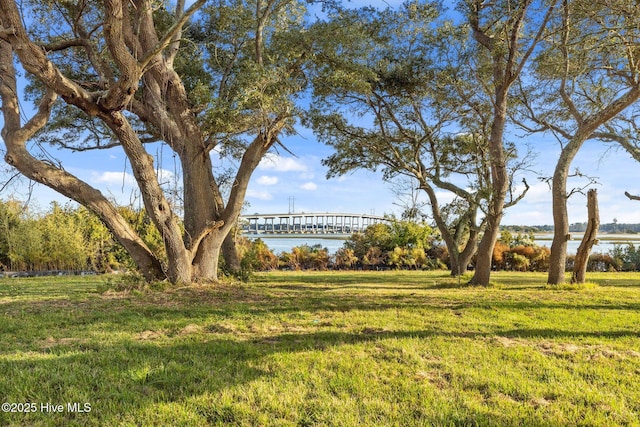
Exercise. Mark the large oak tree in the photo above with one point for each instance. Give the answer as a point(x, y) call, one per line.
point(119, 73)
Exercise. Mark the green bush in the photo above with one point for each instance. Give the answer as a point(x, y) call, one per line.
point(626, 257)
point(400, 244)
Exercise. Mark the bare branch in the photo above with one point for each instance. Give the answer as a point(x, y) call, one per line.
point(174, 46)
point(630, 196)
point(513, 201)
point(62, 45)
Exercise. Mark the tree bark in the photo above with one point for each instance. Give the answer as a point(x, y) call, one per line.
point(508, 60)
point(589, 239)
point(230, 253)
point(499, 185)
point(561, 236)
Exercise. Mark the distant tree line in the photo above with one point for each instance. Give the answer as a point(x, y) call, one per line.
point(69, 237)
point(407, 245)
point(66, 238)
point(578, 227)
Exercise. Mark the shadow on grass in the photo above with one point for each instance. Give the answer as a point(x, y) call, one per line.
point(88, 359)
point(130, 376)
point(233, 301)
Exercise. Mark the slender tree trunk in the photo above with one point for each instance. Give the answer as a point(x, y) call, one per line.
point(587, 126)
point(589, 239)
point(561, 236)
point(468, 252)
point(458, 261)
point(499, 186)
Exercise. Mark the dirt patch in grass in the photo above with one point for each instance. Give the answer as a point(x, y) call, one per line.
point(190, 329)
point(221, 328)
point(439, 380)
point(553, 348)
point(149, 335)
point(506, 341)
point(54, 342)
point(540, 402)
point(616, 354)
point(550, 348)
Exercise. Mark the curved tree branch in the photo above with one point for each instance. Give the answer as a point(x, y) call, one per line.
point(630, 196)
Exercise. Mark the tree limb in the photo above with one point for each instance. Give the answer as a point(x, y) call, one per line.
point(631, 196)
point(170, 35)
point(62, 45)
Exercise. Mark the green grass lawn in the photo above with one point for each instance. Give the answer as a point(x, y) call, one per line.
point(319, 348)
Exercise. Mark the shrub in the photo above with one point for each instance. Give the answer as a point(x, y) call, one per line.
point(345, 258)
point(306, 257)
point(397, 257)
point(520, 262)
point(603, 262)
point(499, 251)
point(399, 244)
point(374, 257)
point(258, 257)
point(626, 258)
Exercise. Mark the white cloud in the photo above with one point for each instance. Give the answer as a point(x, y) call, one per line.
point(114, 178)
point(307, 175)
point(278, 163)
point(538, 192)
point(261, 195)
point(445, 197)
point(165, 176)
point(125, 178)
point(310, 186)
point(267, 180)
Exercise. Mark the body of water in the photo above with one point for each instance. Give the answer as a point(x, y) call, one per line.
point(606, 242)
point(284, 243)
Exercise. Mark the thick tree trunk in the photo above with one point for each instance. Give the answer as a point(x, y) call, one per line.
point(201, 208)
point(589, 239)
point(230, 253)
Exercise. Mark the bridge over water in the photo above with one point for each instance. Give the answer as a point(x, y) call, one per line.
point(308, 223)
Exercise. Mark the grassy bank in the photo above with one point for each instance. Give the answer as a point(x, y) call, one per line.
point(392, 348)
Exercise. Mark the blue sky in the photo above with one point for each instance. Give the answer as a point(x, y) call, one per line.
point(281, 177)
point(303, 177)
